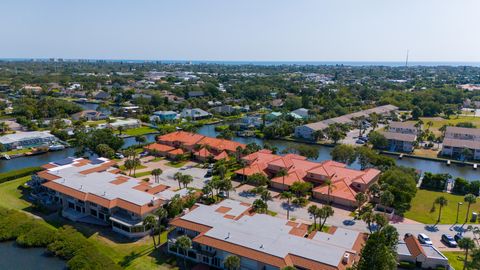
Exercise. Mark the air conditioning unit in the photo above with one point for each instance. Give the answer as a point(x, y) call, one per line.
point(346, 258)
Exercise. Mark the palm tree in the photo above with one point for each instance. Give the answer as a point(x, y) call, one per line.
point(184, 243)
point(325, 212)
point(136, 163)
point(329, 183)
point(161, 213)
point(368, 217)
point(140, 139)
point(186, 179)
point(360, 198)
point(130, 153)
point(232, 262)
point(313, 211)
point(129, 164)
point(469, 199)
point(156, 173)
point(150, 222)
point(287, 195)
point(467, 244)
point(282, 173)
point(120, 130)
point(178, 176)
point(441, 201)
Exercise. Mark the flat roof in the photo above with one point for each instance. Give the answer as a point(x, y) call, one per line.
point(270, 235)
point(23, 136)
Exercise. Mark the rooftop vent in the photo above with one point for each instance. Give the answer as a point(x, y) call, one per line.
point(228, 236)
point(346, 258)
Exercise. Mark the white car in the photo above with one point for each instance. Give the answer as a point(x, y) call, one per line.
point(424, 239)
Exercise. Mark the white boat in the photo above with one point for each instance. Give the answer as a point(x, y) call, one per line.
point(56, 147)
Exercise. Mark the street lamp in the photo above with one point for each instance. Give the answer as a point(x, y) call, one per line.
point(458, 208)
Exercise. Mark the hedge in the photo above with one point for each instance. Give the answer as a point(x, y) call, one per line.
point(65, 242)
point(11, 175)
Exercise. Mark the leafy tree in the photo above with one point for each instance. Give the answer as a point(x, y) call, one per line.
point(301, 189)
point(282, 173)
point(377, 254)
point(307, 151)
point(401, 182)
point(335, 132)
point(232, 262)
point(360, 198)
point(259, 206)
point(129, 164)
point(104, 150)
point(178, 176)
point(257, 179)
point(313, 211)
point(344, 153)
point(378, 140)
point(386, 198)
point(161, 214)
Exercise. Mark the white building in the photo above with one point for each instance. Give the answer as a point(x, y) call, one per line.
point(457, 140)
point(424, 256)
point(27, 139)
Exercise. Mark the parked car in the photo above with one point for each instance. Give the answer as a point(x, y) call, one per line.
point(119, 155)
point(424, 239)
point(448, 240)
point(359, 141)
point(407, 235)
point(458, 236)
point(209, 173)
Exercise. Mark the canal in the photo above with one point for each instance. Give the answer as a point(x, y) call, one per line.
point(209, 130)
point(455, 170)
point(14, 257)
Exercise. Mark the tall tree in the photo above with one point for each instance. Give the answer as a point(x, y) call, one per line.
point(467, 244)
point(184, 243)
point(150, 222)
point(441, 201)
point(282, 173)
point(344, 153)
point(161, 213)
point(469, 199)
point(287, 195)
point(156, 173)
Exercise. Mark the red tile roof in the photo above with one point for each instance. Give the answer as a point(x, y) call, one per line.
point(185, 138)
point(159, 147)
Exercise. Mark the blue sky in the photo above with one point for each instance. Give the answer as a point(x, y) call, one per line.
point(262, 30)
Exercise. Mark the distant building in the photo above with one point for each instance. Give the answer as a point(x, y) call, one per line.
point(101, 95)
point(307, 131)
point(225, 109)
point(89, 115)
point(302, 113)
point(124, 123)
point(251, 121)
point(401, 136)
point(130, 110)
point(272, 116)
point(164, 116)
point(261, 241)
point(195, 114)
point(458, 141)
point(193, 94)
point(27, 139)
point(422, 255)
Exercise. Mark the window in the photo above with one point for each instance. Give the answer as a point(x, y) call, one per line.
point(206, 259)
point(71, 205)
point(216, 261)
point(93, 212)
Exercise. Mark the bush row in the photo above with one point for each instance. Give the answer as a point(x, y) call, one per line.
point(65, 242)
point(11, 175)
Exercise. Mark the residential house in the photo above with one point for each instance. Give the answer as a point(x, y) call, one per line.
point(272, 116)
point(261, 241)
point(164, 116)
point(92, 191)
point(348, 182)
point(301, 113)
point(101, 95)
point(225, 109)
point(422, 255)
point(193, 94)
point(195, 114)
point(459, 142)
point(27, 139)
point(89, 115)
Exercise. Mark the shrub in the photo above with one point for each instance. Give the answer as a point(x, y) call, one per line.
point(67, 241)
point(88, 258)
point(437, 182)
point(38, 236)
point(406, 265)
point(7, 176)
point(14, 224)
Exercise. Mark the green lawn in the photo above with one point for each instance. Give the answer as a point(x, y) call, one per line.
point(176, 164)
point(140, 174)
point(455, 258)
point(438, 122)
point(422, 204)
point(139, 167)
point(17, 151)
point(10, 194)
point(130, 255)
point(139, 131)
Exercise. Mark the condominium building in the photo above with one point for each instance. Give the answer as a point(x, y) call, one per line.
point(348, 182)
point(92, 191)
point(401, 136)
point(463, 143)
point(307, 131)
point(261, 241)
